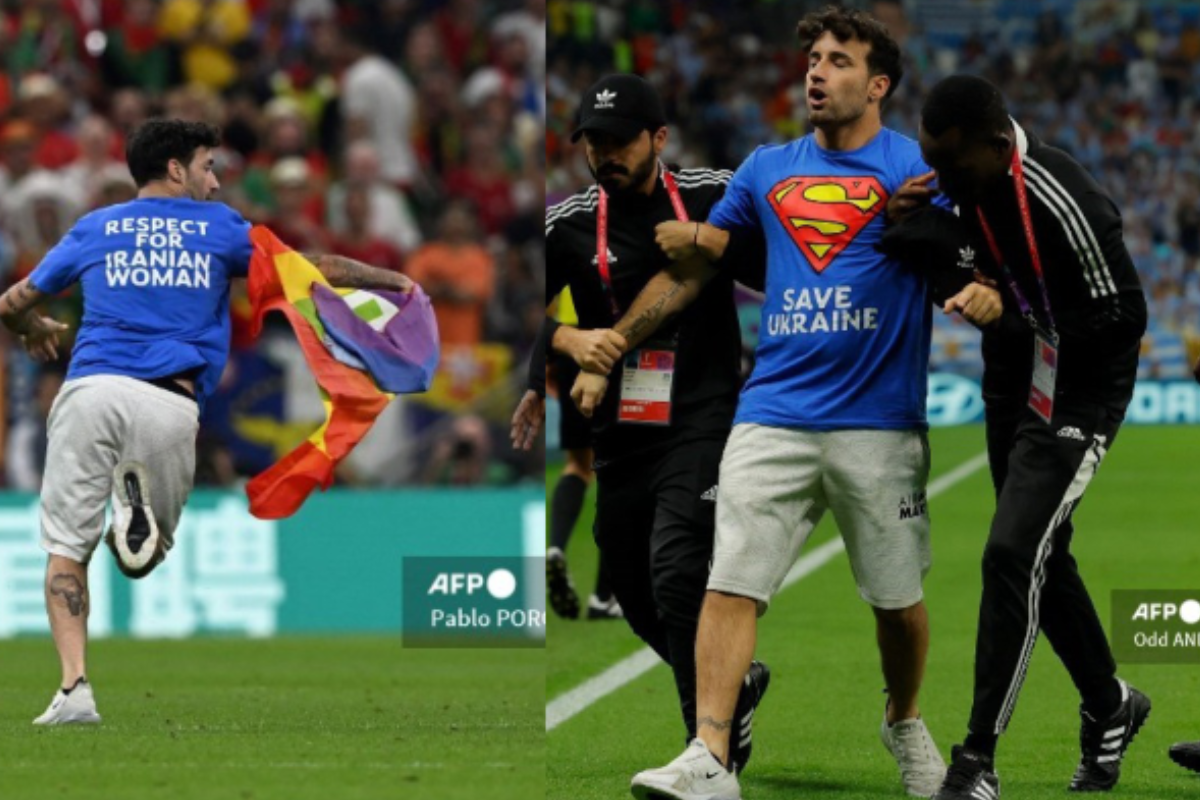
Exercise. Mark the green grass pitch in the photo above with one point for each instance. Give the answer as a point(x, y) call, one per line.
point(816, 735)
point(282, 719)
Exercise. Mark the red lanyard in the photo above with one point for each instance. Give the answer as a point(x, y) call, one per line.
point(602, 233)
point(1027, 220)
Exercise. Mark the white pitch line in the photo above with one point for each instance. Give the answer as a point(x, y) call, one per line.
point(630, 668)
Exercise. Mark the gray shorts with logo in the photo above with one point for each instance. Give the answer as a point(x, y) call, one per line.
point(776, 484)
point(95, 423)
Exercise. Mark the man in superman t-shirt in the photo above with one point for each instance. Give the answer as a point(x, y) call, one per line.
point(833, 415)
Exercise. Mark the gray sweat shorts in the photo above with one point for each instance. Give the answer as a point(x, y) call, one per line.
point(95, 423)
point(775, 486)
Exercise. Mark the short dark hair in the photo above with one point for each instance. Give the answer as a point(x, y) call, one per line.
point(968, 102)
point(846, 24)
point(157, 141)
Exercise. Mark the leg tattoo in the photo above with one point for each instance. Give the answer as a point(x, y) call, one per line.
point(709, 722)
point(72, 592)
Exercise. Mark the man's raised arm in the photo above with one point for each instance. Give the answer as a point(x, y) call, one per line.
point(346, 273)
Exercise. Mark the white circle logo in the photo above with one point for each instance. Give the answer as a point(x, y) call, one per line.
point(501, 584)
point(1189, 612)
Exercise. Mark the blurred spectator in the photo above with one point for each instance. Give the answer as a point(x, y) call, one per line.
point(484, 179)
point(297, 214)
point(36, 207)
point(129, 110)
point(18, 139)
point(135, 53)
point(358, 241)
point(43, 102)
point(461, 26)
point(25, 460)
point(95, 168)
point(463, 458)
point(377, 102)
point(46, 36)
point(113, 191)
point(204, 33)
point(530, 24)
point(285, 136)
point(390, 218)
point(514, 314)
point(458, 275)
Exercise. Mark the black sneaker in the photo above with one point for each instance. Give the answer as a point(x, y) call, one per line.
point(754, 686)
point(971, 776)
point(1104, 742)
point(133, 536)
point(563, 598)
point(1186, 755)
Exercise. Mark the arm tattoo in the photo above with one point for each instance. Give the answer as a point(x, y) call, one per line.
point(350, 274)
point(712, 723)
point(649, 319)
point(16, 305)
point(72, 591)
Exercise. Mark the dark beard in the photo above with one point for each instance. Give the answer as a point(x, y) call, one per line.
point(637, 178)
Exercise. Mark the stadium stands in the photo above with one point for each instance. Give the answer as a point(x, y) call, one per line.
point(1114, 82)
point(349, 126)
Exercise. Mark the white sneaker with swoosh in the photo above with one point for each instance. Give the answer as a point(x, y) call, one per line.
point(79, 706)
point(695, 775)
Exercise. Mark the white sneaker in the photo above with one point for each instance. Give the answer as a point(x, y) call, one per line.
point(922, 769)
point(77, 707)
point(604, 609)
point(695, 775)
point(133, 536)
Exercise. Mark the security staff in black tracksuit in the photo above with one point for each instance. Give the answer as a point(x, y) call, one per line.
point(660, 430)
point(1059, 370)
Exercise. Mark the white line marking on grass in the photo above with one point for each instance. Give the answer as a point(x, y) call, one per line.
point(627, 670)
point(630, 668)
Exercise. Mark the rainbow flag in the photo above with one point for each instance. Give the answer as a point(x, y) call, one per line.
point(363, 347)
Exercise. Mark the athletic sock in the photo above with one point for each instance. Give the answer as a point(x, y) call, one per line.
point(1103, 702)
point(80, 680)
point(982, 743)
point(565, 508)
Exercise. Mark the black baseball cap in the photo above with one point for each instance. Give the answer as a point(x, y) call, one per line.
point(623, 105)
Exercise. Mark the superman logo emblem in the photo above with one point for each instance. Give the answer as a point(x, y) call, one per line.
point(823, 215)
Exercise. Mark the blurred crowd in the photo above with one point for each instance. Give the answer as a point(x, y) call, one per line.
point(1114, 82)
point(403, 133)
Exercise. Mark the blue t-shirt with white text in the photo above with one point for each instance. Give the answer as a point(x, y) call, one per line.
point(844, 334)
point(155, 274)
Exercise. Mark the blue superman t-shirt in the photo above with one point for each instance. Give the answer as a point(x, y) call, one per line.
point(844, 336)
point(155, 274)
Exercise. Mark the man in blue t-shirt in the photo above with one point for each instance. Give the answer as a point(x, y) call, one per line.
point(833, 415)
point(153, 342)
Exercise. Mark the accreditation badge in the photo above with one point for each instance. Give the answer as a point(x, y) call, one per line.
point(1045, 372)
point(646, 384)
